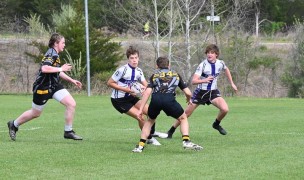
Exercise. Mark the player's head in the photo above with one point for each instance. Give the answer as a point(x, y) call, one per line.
point(57, 42)
point(162, 62)
point(212, 48)
point(55, 38)
point(131, 51)
point(133, 56)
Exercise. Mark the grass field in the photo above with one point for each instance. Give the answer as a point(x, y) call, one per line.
point(265, 141)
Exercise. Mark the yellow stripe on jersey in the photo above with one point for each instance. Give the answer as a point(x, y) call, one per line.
point(165, 75)
point(42, 91)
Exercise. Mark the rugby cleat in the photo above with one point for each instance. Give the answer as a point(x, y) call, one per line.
point(138, 149)
point(12, 130)
point(71, 135)
point(220, 129)
point(160, 135)
point(153, 141)
point(192, 146)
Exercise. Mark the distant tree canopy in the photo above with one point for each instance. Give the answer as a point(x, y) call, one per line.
point(114, 13)
point(104, 53)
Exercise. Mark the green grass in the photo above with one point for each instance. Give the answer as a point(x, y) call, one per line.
point(265, 141)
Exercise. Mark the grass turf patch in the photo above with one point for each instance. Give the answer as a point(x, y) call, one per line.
point(265, 141)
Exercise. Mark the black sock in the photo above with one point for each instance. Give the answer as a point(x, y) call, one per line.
point(152, 131)
point(216, 122)
point(172, 130)
point(150, 136)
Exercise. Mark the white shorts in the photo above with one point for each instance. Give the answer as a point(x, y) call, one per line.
point(58, 96)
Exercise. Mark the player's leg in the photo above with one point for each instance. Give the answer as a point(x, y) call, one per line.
point(65, 98)
point(145, 133)
point(151, 139)
point(28, 115)
point(221, 104)
point(39, 100)
point(184, 128)
point(133, 111)
point(23, 118)
point(189, 110)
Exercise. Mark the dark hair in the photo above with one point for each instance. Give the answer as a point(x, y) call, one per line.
point(131, 51)
point(212, 48)
point(162, 62)
point(54, 38)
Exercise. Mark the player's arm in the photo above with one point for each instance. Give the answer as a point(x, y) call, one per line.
point(51, 69)
point(144, 85)
point(65, 77)
point(184, 87)
point(196, 79)
point(144, 99)
point(113, 84)
point(228, 74)
point(188, 94)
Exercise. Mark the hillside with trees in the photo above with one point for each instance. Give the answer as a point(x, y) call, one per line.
point(180, 29)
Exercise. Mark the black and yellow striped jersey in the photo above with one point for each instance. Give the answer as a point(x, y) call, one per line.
point(48, 80)
point(166, 81)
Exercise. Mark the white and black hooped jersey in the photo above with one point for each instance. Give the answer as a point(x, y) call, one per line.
point(125, 76)
point(206, 69)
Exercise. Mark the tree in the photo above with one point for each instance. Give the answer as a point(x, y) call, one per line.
point(294, 74)
point(104, 53)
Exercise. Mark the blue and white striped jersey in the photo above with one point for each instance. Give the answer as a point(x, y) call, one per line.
point(125, 76)
point(205, 69)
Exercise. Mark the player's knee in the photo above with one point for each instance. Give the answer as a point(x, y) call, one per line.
point(183, 117)
point(225, 110)
point(36, 114)
point(71, 105)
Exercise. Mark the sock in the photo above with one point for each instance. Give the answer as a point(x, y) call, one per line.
point(16, 124)
point(216, 122)
point(142, 142)
point(172, 130)
point(150, 136)
point(68, 128)
point(152, 129)
point(186, 138)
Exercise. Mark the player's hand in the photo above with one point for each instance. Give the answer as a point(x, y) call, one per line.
point(140, 115)
point(209, 79)
point(66, 67)
point(234, 87)
point(190, 102)
point(128, 90)
point(77, 83)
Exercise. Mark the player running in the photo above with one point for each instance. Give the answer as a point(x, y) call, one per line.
point(205, 77)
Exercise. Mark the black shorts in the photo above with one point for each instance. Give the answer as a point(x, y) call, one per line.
point(41, 96)
point(165, 102)
point(204, 96)
point(123, 105)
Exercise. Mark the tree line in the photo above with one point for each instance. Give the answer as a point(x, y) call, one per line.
point(277, 15)
point(180, 23)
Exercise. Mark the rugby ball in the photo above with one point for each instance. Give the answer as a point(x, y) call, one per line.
point(137, 88)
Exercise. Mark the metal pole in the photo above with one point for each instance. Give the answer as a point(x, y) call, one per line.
point(87, 47)
point(212, 16)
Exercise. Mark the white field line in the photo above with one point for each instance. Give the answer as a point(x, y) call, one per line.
point(22, 129)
